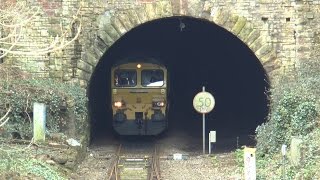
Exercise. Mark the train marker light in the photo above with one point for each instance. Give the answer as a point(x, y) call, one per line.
point(160, 104)
point(139, 66)
point(118, 104)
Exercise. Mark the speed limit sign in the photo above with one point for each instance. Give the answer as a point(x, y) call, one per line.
point(203, 102)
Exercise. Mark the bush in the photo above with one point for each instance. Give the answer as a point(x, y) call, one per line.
point(294, 111)
point(239, 155)
point(65, 103)
point(294, 115)
point(294, 108)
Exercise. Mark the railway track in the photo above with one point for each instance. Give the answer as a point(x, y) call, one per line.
point(136, 161)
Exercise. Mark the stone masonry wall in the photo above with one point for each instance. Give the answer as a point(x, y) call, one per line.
point(282, 33)
point(45, 26)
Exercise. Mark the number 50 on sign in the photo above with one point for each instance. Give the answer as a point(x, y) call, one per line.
point(203, 102)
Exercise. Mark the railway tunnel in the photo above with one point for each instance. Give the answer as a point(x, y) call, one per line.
point(197, 53)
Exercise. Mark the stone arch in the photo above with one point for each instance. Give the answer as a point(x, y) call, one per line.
point(113, 24)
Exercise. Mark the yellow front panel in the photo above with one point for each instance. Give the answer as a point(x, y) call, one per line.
point(138, 101)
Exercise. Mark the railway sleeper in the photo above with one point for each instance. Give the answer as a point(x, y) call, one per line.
point(134, 174)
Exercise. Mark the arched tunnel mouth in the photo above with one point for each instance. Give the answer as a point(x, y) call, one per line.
point(196, 53)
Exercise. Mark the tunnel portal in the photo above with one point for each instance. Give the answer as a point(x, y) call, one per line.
point(197, 53)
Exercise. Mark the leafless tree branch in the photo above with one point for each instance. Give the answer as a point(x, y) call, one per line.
point(4, 119)
point(15, 21)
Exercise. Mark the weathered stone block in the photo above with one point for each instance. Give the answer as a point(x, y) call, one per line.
point(83, 75)
point(246, 30)
point(118, 26)
point(255, 34)
point(221, 17)
point(100, 44)
point(263, 50)
point(207, 6)
point(142, 15)
point(257, 44)
point(89, 58)
point(163, 9)
point(150, 10)
point(194, 8)
point(125, 20)
point(239, 25)
point(112, 32)
point(271, 56)
point(98, 52)
point(105, 37)
point(167, 8)
point(134, 17)
point(84, 66)
point(231, 22)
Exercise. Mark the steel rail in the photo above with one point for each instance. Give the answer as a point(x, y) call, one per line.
point(155, 167)
point(153, 172)
point(113, 172)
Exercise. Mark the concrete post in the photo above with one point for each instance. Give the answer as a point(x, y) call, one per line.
point(39, 122)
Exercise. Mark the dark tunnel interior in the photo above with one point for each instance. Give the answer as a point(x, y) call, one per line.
point(197, 53)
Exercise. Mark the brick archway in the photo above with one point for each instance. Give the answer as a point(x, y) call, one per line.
point(113, 24)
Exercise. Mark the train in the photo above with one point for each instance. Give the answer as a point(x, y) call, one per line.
point(139, 97)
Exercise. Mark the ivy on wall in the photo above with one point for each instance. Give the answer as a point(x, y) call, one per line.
point(66, 104)
point(294, 111)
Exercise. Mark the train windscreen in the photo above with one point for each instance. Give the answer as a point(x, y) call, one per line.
point(152, 78)
point(125, 78)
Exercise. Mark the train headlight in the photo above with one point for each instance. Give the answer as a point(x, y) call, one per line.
point(158, 104)
point(118, 104)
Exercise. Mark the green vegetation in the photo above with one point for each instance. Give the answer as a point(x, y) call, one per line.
point(239, 154)
point(16, 163)
point(66, 115)
point(65, 103)
point(294, 111)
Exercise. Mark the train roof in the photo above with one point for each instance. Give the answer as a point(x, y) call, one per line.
point(138, 60)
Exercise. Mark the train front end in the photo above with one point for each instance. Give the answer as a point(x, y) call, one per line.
point(139, 99)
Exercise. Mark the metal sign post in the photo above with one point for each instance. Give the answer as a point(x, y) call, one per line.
point(203, 133)
point(203, 128)
point(203, 103)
